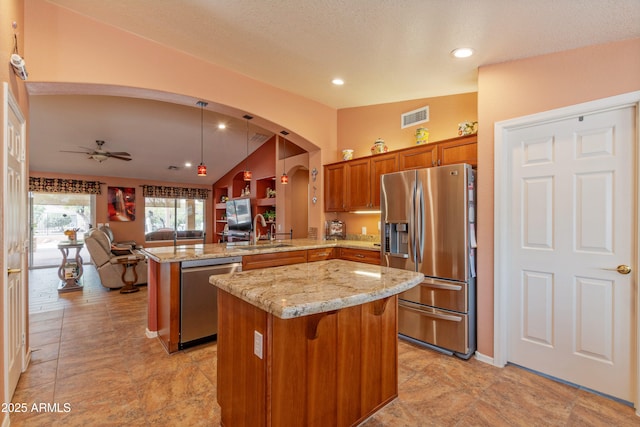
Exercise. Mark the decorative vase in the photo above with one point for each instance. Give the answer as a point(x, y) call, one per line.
point(379, 147)
point(422, 136)
point(467, 128)
point(347, 154)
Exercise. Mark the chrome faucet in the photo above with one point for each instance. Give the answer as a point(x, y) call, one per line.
point(272, 232)
point(256, 232)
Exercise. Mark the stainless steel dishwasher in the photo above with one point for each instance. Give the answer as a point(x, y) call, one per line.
point(199, 298)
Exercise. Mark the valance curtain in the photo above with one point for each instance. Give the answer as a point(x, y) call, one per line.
point(60, 185)
point(174, 192)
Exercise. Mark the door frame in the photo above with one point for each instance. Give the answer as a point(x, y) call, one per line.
point(502, 201)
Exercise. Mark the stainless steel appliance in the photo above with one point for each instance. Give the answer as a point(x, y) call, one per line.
point(199, 298)
point(428, 218)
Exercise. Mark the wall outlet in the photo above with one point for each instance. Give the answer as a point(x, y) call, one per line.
point(257, 344)
point(364, 230)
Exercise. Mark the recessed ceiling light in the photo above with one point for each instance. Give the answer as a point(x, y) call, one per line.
point(337, 82)
point(187, 164)
point(222, 126)
point(462, 52)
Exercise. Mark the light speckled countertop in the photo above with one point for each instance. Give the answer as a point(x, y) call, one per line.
point(218, 250)
point(316, 287)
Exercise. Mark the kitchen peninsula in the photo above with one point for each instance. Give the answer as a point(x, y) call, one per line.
point(165, 271)
point(308, 344)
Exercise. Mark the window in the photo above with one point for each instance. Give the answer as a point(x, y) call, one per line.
point(163, 216)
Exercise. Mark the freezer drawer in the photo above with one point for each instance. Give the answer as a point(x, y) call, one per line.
point(445, 294)
point(441, 328)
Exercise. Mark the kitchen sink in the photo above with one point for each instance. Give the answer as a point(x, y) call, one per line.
point(265, 246)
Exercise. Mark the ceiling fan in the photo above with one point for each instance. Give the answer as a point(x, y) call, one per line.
point(100, 155)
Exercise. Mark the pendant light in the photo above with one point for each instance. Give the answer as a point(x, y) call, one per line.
point(284, 178)
point(202, 169)
point(247, 173)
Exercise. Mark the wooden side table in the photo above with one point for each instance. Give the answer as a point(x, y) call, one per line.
point(70, 272)
point(129, 284)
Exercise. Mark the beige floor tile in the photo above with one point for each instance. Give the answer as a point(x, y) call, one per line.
point(90, 351)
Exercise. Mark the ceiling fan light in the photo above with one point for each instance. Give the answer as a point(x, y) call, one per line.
point(202, 170)
point(100, 157)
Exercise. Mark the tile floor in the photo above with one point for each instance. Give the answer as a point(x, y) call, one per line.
point(90, 352)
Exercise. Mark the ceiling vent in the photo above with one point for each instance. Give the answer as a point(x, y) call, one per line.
point(421, 115)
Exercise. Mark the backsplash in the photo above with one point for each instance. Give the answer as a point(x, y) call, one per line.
point(364, 237)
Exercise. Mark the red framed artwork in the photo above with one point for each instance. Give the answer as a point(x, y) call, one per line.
point(122, 204)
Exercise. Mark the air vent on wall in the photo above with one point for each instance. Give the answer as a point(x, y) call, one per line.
point(258, 138)
point(421, 115)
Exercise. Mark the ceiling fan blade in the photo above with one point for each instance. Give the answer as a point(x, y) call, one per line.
point(119, 157)
point(81, 152)
point(119, 153)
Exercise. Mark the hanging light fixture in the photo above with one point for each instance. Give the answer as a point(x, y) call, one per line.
point(247, 173)
point(284, 178)
point(202, 169)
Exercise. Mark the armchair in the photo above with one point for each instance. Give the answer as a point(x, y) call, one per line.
point(131, 244)
point(106, 262)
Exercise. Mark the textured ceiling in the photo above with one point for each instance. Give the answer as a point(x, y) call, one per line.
point(385, 50)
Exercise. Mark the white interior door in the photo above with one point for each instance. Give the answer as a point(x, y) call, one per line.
point(14, 229)
point(571, 224)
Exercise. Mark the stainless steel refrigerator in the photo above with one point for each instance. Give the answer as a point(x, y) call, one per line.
point(428, 223)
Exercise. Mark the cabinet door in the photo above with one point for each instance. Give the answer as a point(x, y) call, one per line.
point(422, 156)
point(381, 164)
point(334, 188)
point(464, 150)
point(358, 190)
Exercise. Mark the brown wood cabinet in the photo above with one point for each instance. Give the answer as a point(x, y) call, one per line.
point(275, 259)
point(355, 184)
point(326, 369)
point(321, 254)
point(359, 255)
point(335, 186)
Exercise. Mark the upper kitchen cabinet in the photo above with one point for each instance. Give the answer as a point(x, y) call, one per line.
point(459, 150)
point(420, 156)
point(381, 164)
point(335, 186)
point(355, 184)
point(451, 151)
point(358, 194)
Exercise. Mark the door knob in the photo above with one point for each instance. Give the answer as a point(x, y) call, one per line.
point(622, 269)
point(13, 270)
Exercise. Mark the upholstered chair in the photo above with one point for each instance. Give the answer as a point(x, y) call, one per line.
point(106, 262)
point(131, 243)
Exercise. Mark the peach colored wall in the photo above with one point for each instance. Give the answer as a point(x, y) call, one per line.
point(359, 127)
point(133, 230)
point(529, 86)
point(64, 47)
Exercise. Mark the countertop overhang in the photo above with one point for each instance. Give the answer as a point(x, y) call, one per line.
point(181, 253)
point(316, 287)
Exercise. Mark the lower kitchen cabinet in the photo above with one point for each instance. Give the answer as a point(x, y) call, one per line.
point(326, 369)
point(360, 255)
point(275, 259)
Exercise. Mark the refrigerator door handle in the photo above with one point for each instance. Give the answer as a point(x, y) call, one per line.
point(395, 255)
point(440, 316)
point(420, 219)
point(445, 286)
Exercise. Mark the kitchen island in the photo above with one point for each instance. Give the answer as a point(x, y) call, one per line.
point(308, 344)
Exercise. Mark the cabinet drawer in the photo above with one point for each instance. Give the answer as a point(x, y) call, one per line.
point(251, 262)
point(320, 254)
point(440, 293)
point(360, 255)
point(438, 327)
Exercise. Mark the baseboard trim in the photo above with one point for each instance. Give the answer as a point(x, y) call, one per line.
point(151, 334)
point(484, 358)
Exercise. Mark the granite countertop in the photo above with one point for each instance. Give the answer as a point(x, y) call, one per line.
point(317, 287)
point(218, 250)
